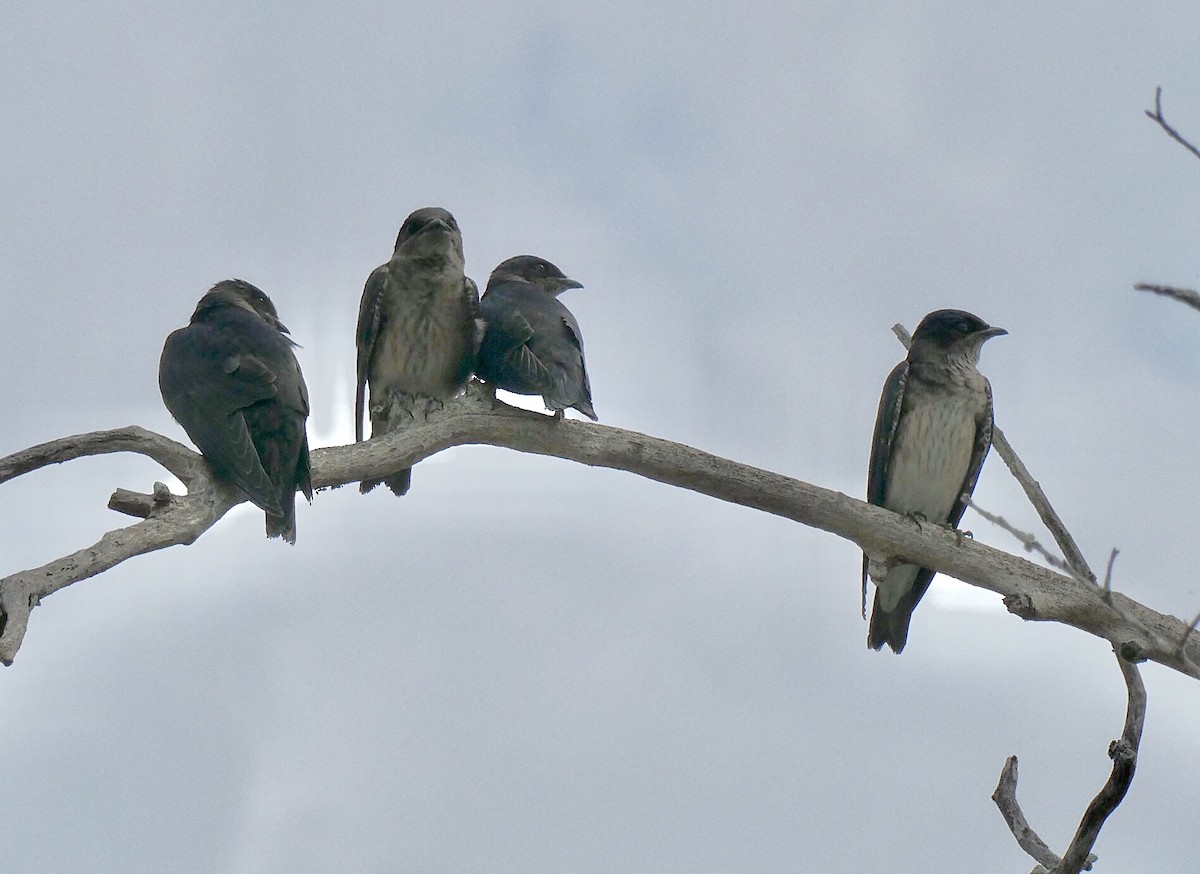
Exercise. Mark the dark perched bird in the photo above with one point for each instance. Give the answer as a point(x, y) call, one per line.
point(532, 344)
point(933, 429)
point(231, 380)
point(418, 329)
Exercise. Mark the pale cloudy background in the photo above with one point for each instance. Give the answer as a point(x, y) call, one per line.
point(527, 665)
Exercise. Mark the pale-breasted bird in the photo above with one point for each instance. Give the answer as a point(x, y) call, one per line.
point(533, 344)
point(932, 432)
point(418, 329)
point(231, 379)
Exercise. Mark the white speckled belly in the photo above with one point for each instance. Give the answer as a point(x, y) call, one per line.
point(931, 454)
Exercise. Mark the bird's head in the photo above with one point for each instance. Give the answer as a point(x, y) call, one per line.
point(239, 293)
point(951, 334)
point(429, 231)
point(535, 271)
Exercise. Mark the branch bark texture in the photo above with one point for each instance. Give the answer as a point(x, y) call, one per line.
point(1029, 590)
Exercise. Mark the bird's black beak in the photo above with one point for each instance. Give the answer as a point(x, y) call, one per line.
point(989, 333)
point(566, 282)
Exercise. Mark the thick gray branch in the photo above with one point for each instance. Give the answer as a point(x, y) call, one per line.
point(175, 457)
point(168, 520)
point(1030, 591)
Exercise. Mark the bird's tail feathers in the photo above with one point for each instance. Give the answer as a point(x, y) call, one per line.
point(284, 525)
point(398, 482)
point(889, 628)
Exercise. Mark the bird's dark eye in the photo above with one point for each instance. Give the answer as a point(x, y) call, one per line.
point(963, 327)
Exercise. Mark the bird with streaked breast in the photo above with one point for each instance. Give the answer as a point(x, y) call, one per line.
point(418, 329)
point(932, 433)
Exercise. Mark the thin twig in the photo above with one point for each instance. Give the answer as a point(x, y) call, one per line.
point(1123, 752)
point(1191, 627)
point(1026, 539)
point(1112, 559)
point(1183, 295)
point(1041, 503)
point(1157, 116)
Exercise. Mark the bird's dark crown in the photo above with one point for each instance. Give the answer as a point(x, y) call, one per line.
point(534, 270)
point(948, 327)
point(239, 293)
point(424, 219)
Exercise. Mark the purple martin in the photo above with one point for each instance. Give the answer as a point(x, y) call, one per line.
point(231, 379)
point(532, 344)
point(932, 432)
point(418, 329)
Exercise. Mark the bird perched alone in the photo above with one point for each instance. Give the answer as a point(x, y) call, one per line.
point(231, 380)
point(418, 329)
point(532, 344)
point(932, 432)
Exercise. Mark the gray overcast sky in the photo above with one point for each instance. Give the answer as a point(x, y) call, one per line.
point(528, 665)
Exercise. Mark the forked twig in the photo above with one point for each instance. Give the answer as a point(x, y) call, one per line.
point(1123, 752)
point(1157, 117)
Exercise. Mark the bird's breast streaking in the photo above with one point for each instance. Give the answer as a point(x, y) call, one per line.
point(933, 447)
point(423, 346)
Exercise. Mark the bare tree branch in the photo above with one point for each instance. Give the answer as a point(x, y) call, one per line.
point(1157, 117)
point(1033, 490)
point(1124, 753)
point(1027, 540)
point(1190, 630)
point(1005, 798)
point(1183, 295)
point(1112, 559)
point(175, 457)
point(1030, 591)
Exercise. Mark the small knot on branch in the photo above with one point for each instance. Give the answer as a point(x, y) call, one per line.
point(1132, 651)
point(1020, 604)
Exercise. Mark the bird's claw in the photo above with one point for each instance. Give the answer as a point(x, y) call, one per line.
point(433, 406)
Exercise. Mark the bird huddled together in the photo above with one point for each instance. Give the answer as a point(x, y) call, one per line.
point(231, 379)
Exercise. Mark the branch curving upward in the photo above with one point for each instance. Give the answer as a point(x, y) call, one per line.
point(1123, 752)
